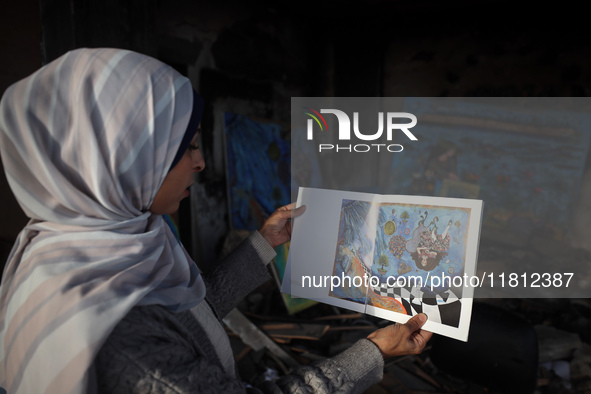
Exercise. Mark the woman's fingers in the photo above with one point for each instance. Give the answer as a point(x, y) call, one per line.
point(402, 339)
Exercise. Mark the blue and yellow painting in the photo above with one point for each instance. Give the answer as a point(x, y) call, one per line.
point(420, 240)
point(258, 170)
point(406, 241)
point(259, 182)
point(354, 249)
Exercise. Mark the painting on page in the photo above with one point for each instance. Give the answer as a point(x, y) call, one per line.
point(419, 250)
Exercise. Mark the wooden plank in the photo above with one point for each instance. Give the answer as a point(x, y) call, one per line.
point(340, 317)
point(283, 341)
point(352, 328)
point(295, 331)
point(252, 336)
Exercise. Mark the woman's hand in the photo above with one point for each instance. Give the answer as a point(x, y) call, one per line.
point(277, 228)
point(402, 339)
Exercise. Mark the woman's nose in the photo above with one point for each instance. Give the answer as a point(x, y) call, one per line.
point(198, 161)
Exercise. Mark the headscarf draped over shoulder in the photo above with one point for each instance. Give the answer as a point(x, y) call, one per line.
point(86, 142)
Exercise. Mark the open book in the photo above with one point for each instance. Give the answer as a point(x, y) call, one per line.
point(390, 256)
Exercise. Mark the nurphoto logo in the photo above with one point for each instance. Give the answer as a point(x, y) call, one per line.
point(344, 130)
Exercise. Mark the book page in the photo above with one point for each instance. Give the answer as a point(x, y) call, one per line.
point(389, 256)
point(426, 249)
point(315, 257)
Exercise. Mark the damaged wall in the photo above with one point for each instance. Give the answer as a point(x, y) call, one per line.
point(21, 56)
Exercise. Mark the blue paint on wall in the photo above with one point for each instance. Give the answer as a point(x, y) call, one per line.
point(258, 170)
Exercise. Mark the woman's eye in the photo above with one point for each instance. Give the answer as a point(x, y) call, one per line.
point(193, 147)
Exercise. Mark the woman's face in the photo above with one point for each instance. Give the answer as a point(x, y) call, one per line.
point(176, 184)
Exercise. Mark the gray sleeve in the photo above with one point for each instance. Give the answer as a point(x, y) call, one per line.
point(352, 371)
point(153, 351)
point(150, 351)
point(239, 273)
point(137, 361)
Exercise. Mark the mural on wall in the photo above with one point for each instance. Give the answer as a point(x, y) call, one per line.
point(258, 161)
point(258, 173)
point(528, 176)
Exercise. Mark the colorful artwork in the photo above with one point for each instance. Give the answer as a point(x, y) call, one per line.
point(292, 304)
point(403, 241)
point(390, 256)
point(258, 173)
point(258, 159)
point(354, 249)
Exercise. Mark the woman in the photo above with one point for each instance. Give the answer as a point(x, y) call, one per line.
point(98, 294)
